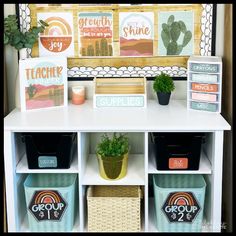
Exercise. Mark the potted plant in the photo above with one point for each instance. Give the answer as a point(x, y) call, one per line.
point(20, 41)
point(17, 39)
point(112, 153)
point(163, 85)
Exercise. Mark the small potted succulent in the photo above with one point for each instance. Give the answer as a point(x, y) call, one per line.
point(163, 85)
point(112, 153)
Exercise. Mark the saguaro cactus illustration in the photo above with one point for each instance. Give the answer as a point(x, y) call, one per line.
point(31, 91)
point(110, 51)
point(83, 52)
point(58, 96)
point(170, 34)
point(104, 47)
point(97, 50)
point(90, 50)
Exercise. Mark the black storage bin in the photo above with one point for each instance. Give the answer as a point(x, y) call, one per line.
point(176, 151)
point(49, 150)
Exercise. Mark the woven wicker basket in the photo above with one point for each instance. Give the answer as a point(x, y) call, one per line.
point(114, 208)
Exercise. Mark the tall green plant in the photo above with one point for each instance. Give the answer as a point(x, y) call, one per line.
point(170, 34)
point(17, 39)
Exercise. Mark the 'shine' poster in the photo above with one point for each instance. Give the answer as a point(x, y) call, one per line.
point(43, 82)
point(58, 37)
point(136, 33)
point(95, 33)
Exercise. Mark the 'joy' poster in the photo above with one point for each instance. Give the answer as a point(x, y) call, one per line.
point(95, 34)
point(58, 37)
point(43, 82)
point(136, 33)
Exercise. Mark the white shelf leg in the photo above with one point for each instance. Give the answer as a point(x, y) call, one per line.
point(9, 163)
point(217, 162)
point(146, 182)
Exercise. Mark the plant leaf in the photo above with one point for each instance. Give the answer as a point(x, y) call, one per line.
point(165, 38)
point(175, 31)
point(179, 49)
point(6, 39)
point(182, 26)
point(170, 19)
point(44, 23)
point(187, 38)
point(172, 48)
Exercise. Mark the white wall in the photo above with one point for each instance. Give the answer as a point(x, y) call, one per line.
point(220, 30)
point(11, 63)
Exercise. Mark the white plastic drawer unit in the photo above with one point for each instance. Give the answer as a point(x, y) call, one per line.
point(204, 83)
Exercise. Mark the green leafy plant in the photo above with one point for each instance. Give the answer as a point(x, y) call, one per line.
point(170, 34)
point(14, 37)
point(163, 83)
point(116, 146)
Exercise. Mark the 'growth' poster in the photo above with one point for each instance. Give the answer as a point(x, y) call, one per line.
point(95, 34)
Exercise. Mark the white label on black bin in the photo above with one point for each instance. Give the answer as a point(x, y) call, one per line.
point(47, 161)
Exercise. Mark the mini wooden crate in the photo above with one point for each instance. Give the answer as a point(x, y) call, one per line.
point(114, 208)
point(120, 92)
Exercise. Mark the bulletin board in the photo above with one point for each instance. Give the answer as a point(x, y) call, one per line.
point(122, 40)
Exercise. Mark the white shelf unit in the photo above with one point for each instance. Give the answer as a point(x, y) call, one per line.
point(89, 124)
point(207, 73)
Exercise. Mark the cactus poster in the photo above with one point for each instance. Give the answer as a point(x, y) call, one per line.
point(43, 82)
point(136, 33)
point(95, 34)
point(57, 39)
point(175, 33)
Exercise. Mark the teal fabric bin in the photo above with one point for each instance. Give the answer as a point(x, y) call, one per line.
point(50, 202)
point(179, 202)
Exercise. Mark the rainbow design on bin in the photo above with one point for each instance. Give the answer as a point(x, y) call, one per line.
point(181, 198)
point(47, 197)
point(181, 207)
point(57, 37)
point(47, 205)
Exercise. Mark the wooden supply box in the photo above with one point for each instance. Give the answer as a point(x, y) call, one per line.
point(120, 92)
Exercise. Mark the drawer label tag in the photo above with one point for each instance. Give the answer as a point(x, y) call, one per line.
point(47, 161)
point(178, 163)
point(204, 67)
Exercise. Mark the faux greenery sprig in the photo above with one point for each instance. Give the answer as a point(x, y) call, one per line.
point(115, 146)
point(18, 39)
point(163, 83)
